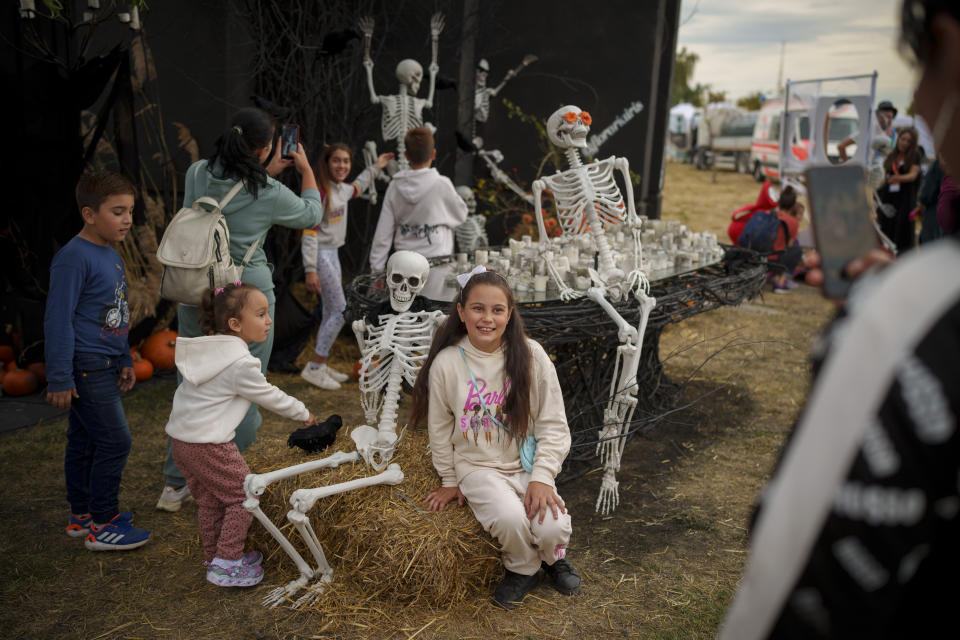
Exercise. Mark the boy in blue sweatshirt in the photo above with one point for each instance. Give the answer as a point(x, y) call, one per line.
point(88, 362)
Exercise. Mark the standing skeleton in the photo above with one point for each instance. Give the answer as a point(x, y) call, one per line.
point(472, 234)
point(403, 111)
point(392, 352)
point(588, 201)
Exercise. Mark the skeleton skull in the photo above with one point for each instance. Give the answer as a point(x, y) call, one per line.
point(483, 68)
point(409, 74)
point(466, 194)
point(407, 272)
point(568, 127)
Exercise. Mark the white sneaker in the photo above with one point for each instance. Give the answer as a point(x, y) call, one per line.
point(172, 499)
point(319, 377)
point(336, 375)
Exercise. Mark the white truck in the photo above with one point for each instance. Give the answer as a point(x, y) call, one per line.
point(723, 138)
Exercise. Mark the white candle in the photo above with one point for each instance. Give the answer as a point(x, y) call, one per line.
point(481, 256)
point(539, 283)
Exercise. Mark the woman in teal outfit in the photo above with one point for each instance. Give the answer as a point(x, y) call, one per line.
point(263, 202)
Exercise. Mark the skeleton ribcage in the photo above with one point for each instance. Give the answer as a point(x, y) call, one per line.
point(400, 114)
point(591, 185)
point(471, 234)
point(398, 344)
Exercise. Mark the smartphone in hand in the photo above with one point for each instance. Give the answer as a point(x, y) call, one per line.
point(840, 205)
point(289, 139)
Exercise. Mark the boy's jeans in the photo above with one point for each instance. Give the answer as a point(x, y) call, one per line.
point(98, 438)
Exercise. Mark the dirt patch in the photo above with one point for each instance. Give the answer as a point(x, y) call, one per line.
point(664, 565)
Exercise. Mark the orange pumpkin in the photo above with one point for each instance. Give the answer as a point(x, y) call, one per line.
point(10, 366)
point(19, 382)
point(159, 348)
point(6, 353)
point(38, 369)
point(142, 368)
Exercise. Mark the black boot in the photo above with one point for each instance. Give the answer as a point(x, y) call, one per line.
point(513, 588)
point(563, 576)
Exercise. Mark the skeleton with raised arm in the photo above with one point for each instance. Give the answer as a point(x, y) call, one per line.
point(482, 93)
point(391, 352)
point(472, 234)
point(589, 202)
point(404, 110)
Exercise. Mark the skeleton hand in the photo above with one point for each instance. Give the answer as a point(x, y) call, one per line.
point(609, 498)
point(567, 294)
point(608, 443)
point(436, 24)
point(366, 26)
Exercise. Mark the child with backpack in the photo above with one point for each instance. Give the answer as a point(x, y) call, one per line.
point(259, 204)
point(88, 360)
point(321, 262)
point(221, 380)
point(775, 232)
point(508, 481)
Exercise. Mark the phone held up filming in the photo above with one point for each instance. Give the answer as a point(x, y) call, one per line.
point(289, 139)
point(840, 211)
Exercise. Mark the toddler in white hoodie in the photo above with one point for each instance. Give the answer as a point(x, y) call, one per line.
point(420, 209)
point(220, 381)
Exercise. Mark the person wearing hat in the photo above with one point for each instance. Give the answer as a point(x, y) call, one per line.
point(881, 142)
point(882, 132)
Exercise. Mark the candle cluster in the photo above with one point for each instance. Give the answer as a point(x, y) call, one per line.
point(667, 247)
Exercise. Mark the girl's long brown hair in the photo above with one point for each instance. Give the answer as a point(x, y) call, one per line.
point(322, 170)
point(517, 356)
point(910, 157)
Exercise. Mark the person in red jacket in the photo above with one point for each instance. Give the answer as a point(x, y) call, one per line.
point(789, 212)
point(766, 201)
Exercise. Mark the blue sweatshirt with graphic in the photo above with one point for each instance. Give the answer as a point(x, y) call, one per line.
point(86, 311)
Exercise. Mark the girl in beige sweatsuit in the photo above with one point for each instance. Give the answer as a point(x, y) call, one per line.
point(485, 376)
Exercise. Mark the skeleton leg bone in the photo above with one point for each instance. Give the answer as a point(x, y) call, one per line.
point(302, 501)
point(256, 483)
point(623, 395)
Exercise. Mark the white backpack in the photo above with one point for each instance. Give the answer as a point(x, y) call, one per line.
point(195, 250)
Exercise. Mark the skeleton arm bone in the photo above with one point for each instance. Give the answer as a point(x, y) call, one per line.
point(366, 26)
point(527, 59)
point(436, 26)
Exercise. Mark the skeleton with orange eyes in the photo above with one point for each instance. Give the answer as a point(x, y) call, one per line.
point(589, 203)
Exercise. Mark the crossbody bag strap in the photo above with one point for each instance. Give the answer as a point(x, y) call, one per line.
point(832, 428)
point(482, 403)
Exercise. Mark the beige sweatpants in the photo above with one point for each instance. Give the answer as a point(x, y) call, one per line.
point(496, 499)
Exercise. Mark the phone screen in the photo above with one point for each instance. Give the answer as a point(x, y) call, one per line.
point(289, 137)
point(840, 211)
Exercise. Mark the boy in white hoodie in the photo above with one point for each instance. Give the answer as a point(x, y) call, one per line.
point(220, 381)
point(420, 209)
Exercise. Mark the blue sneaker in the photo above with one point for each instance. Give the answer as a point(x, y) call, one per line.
point(116, 535)
point(80, 527)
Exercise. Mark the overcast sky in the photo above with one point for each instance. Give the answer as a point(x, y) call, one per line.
point(739, 43)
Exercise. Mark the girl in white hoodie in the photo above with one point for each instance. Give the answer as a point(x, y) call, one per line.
point(319, 247)
point(483, 367)
point(221, 379)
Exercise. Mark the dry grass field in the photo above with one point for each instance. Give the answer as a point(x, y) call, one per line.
point(664, 565)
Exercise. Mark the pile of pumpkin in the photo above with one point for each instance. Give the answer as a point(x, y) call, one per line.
point(155, 354)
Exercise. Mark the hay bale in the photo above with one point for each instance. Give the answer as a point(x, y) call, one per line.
point(380, 542)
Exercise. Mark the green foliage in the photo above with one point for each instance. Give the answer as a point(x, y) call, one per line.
point(751, 102)
point(683, 68)
point(716, 96)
